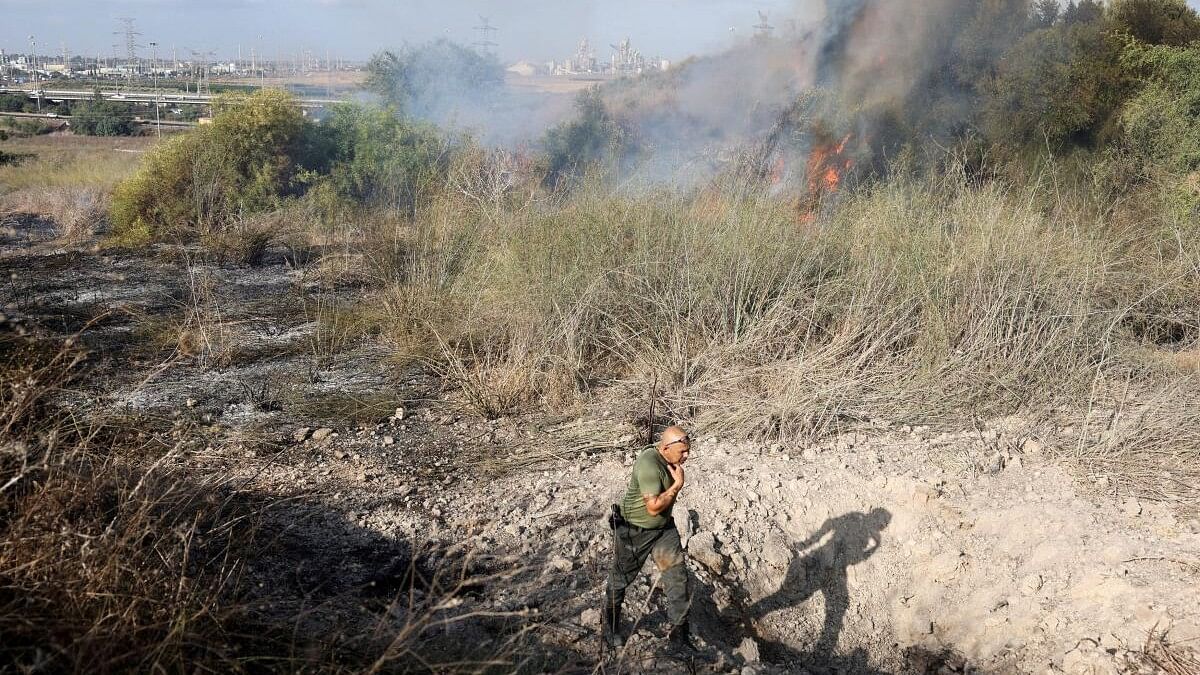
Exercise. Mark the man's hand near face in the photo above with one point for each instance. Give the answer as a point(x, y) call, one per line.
point(676, 471)
point(656, 504)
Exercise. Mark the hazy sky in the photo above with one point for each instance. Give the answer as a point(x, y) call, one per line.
point(534, 29)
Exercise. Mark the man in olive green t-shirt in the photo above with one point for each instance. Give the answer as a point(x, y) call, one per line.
point(646, 529)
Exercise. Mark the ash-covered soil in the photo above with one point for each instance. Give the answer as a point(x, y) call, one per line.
point(887, 548)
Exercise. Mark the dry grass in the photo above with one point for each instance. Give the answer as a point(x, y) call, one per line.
point(76, 212)
point(1158, 655)
point(72, 161)
point(66, 180)
point(115, 555)
point(920, 300)
point(99, 555)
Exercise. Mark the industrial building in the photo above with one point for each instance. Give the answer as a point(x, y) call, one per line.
point(624, 61)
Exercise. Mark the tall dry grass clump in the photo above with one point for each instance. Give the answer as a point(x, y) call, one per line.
point(67, 182)
point(918, 299)
point(108, 560)
point(75, 212)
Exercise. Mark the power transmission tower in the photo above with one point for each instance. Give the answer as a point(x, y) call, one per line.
point(764, 26)
point(130, 33)
point(485, 30)
point(202, 76)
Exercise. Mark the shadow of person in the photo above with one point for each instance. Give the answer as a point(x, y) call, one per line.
point(840, 542)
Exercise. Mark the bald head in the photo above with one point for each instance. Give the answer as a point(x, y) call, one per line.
point(674, 445)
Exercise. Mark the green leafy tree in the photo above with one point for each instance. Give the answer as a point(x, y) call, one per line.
point(102, 118)
point(988, 29)
point(1162, 122)
point(248, 160)
point(12, 102)
point(1045, 13)
point(1058, 85)
point(382, 159)
point(591, 137)
point(1157, 22)
point(432, 79)
point(1084, 12)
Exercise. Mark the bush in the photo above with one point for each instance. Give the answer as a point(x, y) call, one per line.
point(102, 118)
point(382, 160)
point(260, 153)
point(12, 102)
point(1059, 85)
point(592, 137)
point(1160, 122)
point(250, 159)
point(1157, 22)
point(431, 80)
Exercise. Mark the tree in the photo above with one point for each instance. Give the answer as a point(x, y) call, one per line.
point(12, 102)
point(1059, 84)
point(434, 79)
point(1045, 13)
point(1157, 22)
point(381, 159)
point(1084, 12)
point(1160, 123)
point(248, 160)
point(102, 118)
point(591, 137)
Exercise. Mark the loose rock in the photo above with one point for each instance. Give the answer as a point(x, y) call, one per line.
point(748, 650)
point(702, 547)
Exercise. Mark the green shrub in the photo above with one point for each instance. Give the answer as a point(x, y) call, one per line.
point(249, 160)
point(592, 137)
point(102, 118)
point(380, 159)
point(1157, 22)
point(1057, 85)
point(12, 102)
point(1162, 122)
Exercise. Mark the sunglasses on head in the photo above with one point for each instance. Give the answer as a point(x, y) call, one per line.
point(685, 439)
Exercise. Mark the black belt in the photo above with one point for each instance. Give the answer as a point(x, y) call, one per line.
point(617, 519)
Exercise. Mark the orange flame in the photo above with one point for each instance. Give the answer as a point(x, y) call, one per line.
point(826, 164)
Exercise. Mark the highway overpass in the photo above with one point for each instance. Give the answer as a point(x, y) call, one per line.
point(166, 98)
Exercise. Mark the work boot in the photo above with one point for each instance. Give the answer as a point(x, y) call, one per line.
point(610, 627)
point(680, 637)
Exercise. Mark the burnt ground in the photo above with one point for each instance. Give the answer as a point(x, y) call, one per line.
point(887, 549)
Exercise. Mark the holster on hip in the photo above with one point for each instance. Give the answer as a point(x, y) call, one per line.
point(615, 519)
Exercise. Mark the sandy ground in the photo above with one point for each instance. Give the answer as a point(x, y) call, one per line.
point(886, 549)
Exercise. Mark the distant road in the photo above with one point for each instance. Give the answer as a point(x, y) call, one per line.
point(164, 98)
point(136, 120)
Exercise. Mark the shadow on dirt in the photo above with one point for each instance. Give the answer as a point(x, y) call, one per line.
point(841, 542)
point(820, 565)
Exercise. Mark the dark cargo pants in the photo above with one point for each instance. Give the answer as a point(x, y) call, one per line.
point(632, 545)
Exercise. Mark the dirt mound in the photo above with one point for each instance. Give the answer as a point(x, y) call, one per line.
point(861, 557)
point(893, 552)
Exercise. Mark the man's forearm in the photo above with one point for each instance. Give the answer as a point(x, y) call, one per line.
point(656, 505)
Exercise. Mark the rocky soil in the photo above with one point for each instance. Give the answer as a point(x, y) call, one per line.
point(888, 548)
